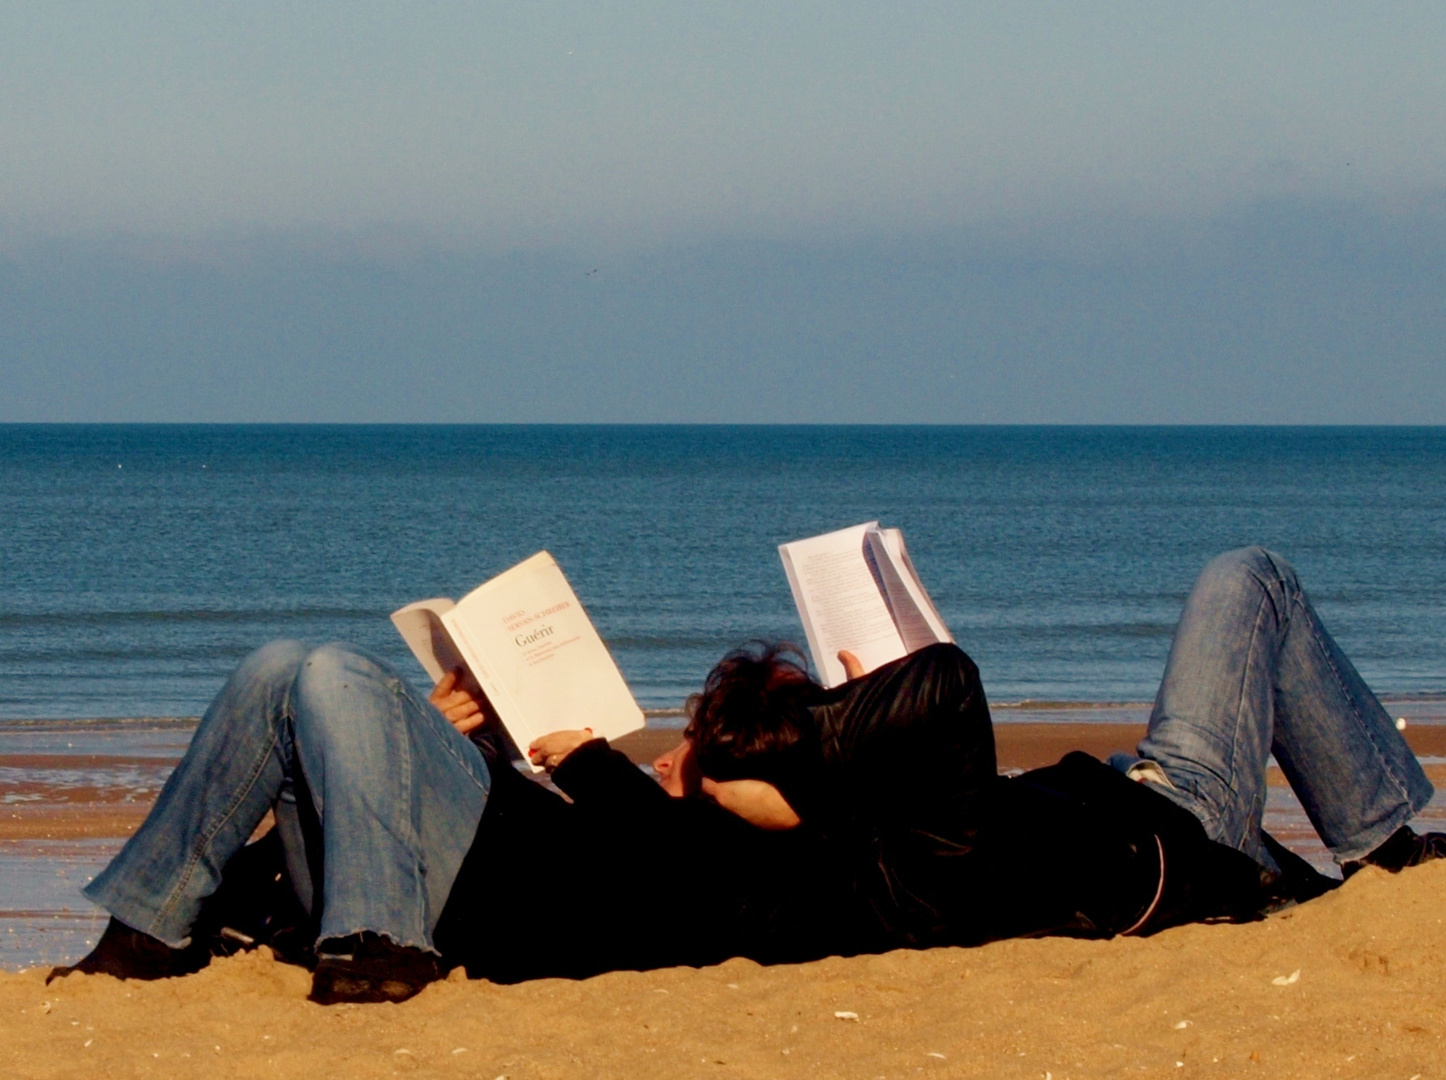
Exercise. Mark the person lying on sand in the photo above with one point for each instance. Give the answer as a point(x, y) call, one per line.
point(874, 766)
point(410, 847)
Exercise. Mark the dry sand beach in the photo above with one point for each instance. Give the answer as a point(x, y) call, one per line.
point(1349, 985)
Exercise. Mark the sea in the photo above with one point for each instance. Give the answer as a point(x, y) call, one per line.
point(139, 563)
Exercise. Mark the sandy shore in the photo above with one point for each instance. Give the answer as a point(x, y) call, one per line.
point(1196, 1001)
point(1367, 1001)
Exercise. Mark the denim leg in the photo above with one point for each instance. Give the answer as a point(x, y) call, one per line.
point(300, 834)
point(232, 772)
point(398, 790)
point(1253, 672)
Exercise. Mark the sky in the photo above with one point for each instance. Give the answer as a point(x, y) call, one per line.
point(643, 212)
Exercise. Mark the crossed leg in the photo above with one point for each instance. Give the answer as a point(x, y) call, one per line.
point(398, 794)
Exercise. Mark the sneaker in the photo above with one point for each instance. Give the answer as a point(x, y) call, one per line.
point(1404, 847)
point(367, 967)
point(129, 954)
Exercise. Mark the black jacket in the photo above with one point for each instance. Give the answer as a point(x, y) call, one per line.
point(627, 877)
point(909, 838)
point(905, 794)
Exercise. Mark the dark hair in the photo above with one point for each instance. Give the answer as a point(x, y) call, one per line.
point(751, 719)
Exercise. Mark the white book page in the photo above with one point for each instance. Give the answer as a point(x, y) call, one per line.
point(840, 602)
point(538, 658)
point(420, 625)
point(917, 618)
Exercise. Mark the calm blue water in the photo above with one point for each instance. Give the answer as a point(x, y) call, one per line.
point(138, 563)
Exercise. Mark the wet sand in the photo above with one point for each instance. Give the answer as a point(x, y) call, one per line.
point(78, 796)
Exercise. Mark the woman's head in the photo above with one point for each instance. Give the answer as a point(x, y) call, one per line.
point(751, 718)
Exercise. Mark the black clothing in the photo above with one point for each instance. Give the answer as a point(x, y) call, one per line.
point(909, 838)
point(627, 877)
point(904, 791)
point(622, 877)
point(1190, 877)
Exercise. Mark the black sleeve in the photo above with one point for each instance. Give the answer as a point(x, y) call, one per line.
point(605, 781)
point(909, 740)
point(609, 790)
point(538, 861)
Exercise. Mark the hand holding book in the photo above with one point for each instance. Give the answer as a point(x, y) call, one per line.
point(465, 709)
point(858, 594)
point(549, 750)
point(519, 648)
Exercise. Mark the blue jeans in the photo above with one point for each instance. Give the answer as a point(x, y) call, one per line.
point(1253, 672)
point(398, 792)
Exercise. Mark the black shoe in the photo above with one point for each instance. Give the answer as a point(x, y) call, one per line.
point(1297, 882)
point(130, 954)
point(1404, 847)
point(367, 967)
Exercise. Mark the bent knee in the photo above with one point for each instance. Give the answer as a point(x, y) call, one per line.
point(1254, 562)
point(275, 660)
point(339, 664)
point(340, 687)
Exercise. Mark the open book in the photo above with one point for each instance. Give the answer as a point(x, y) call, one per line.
point(532, 650)
point(857, 589)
